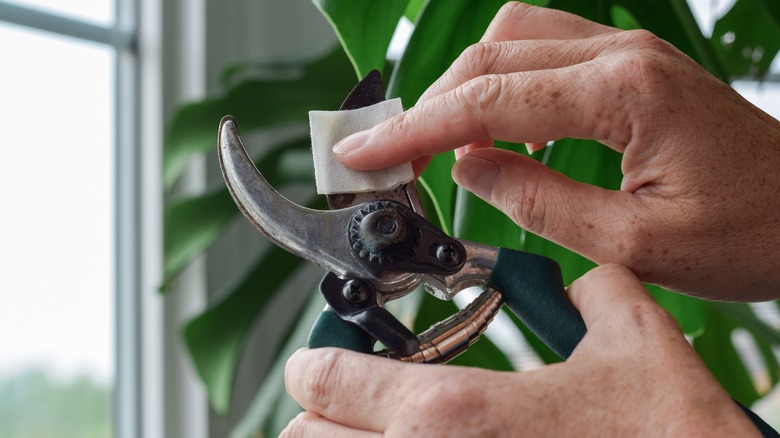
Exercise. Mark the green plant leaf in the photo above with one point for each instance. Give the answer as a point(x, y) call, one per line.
point(688, 311)
point(623, 19)
point(444, 29)
point(215, 339)
point(700, 48)
point(440, 188)
point(747, 38)
point(741, 314)
point(573, 265)
point(592, 163)
point(670, 20)
point(193, 224)
point(770, 361)
point(428, 205)
point(483, 354)
point(475, 219)
point(587, 162)
point(414, 9)
point(771, 8)
point(766, 337)
point(268, 412)
point(715, 348)
point(479, 221)
point(542, 350)
point(365, 28)
point(257, 104)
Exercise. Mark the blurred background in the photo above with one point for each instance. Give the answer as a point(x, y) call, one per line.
point(96, 279)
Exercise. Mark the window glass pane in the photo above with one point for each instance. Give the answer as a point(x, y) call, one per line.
point(97, 11)
point(763, 95)
point(707, 11)
point(56, 257)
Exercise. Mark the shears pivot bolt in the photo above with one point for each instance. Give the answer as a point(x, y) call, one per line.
point(448, 255)
point(355, 292)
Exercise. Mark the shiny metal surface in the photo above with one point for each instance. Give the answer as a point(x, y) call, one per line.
point(314, 235)
point(343, 200)
point(390, 285)
point(451, 337)
point(480, 260)
point(321, 237)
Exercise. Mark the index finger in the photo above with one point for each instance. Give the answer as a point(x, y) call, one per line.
point(520, 21)
point(352, 389)
point(522, 107)
point(515, 22)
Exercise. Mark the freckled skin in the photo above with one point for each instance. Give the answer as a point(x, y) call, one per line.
point(699, 162)
point(697, 212)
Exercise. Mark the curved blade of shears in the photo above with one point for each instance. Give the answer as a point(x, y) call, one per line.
point(315, 235)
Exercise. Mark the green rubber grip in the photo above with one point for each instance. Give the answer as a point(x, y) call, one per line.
point(532, 287)
point(331, 331)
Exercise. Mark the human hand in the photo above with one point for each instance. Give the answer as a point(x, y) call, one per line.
point(633, 374)
point(698, 210)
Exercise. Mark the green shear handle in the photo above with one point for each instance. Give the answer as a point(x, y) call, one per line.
point(532, 287)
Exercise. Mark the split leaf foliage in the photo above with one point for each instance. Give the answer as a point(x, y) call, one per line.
point(744, 43)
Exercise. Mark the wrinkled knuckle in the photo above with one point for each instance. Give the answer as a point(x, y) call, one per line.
point(632, 238)
point(644, 73)
point(478, 58)
point(323, 374)
point(651, 318)
point(402, 127)
point(666, 320)
point(395, 124)
point(638, 38)
point(526, 206)
point(513, 11)
point(605, 274)
point(611, 270)
point(481, 93)
point(451, 398)
point(296, 427)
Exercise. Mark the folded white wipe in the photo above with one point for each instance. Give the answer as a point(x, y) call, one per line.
point(328, 127)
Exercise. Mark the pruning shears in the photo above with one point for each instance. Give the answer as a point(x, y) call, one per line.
point(378, 247)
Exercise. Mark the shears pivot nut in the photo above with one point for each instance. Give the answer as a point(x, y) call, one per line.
point(388, 236)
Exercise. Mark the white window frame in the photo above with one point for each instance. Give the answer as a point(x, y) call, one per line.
point(138, 407)
point(163, 58)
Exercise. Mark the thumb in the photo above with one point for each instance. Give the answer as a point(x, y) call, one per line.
point(589, 220)
point(620, 314)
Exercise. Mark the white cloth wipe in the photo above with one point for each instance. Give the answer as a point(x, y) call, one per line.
point(328, 127)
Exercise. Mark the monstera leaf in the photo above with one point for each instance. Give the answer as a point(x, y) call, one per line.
point(443, 29)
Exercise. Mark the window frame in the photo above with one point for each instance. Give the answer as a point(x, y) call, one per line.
point(122, 37)
point(161, 60)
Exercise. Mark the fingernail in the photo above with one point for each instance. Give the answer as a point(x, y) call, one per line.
point(351, 143)
point(476, 175)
